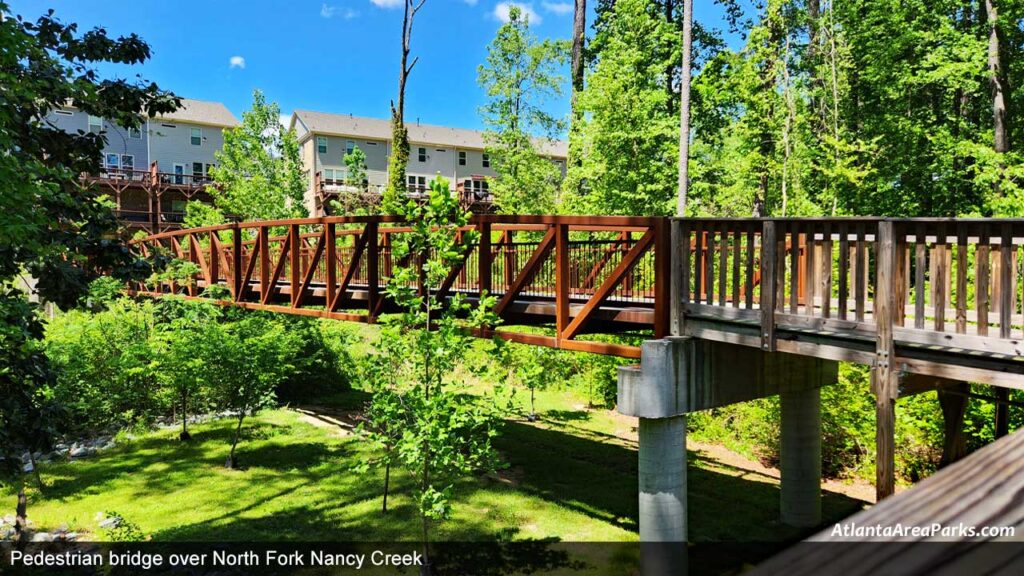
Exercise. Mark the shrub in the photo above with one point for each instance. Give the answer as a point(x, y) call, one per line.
point(103, 361)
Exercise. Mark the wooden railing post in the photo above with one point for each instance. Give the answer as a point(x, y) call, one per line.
point(263, 238)
point(295, 264)
point(561, 278)
point(884, 379)
point(769, 248)
point(484, 260)
point(679, 291)
point(664, 275)
point(331, 264)
point(236, 263)
point(372, 269)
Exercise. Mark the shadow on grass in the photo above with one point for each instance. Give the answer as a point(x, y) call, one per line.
point(319, 497)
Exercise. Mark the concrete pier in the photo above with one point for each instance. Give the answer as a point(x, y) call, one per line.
point(663, 479)
point(800, 501)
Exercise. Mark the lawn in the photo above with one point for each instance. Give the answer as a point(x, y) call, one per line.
point(569, 477)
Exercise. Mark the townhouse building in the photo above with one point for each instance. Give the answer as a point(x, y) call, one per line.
point(152, 171)
point(456, 153)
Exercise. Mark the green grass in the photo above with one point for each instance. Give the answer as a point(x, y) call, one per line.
point(571, 477)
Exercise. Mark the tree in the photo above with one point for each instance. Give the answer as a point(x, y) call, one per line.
point(684, 109)
point(252, 358)
point(258, 175)
point(355, 169)
point(630, 165)
point(399, 159)
point(519, 75)
point(51, 227)
point(183, 354)
point(419, 412)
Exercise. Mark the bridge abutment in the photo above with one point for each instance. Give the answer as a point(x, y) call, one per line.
point(680, 375)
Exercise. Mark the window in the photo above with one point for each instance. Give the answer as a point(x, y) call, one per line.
point(371, 143)
point(421, 153)
point(112, 162)
point(197, 170)
point(177, 206)
point(209, 169)
point(135, 133)
point(417, 183)
point(321, 144)
point(64, 112)
point(127, 162)
point(328, 175)
point(349, 146)
point(486, 160)
point(196, 136)
point(95, 124)
point(462, 158)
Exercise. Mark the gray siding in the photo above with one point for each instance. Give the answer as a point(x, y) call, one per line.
point(170, 144)
point(117, 138)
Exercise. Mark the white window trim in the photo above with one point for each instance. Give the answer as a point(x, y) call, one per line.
point(324, 140)
point(190, 136)
point(90, 122)
point(135, 133)
point(121, 160)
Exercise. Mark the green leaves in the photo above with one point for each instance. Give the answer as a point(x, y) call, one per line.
point(259, 170)
point(520, 75)
point(419, 416)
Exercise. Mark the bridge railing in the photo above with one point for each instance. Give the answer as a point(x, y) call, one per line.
point(954, 284)
point(578, 274)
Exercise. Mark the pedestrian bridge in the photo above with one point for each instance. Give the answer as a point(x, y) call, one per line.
point(726, 310)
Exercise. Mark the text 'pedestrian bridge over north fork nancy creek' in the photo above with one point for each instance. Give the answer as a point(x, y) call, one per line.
point(728, 310)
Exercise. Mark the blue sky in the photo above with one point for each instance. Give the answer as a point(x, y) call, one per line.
point(335, 56)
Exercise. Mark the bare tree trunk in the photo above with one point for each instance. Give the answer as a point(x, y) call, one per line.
point(232, 462)
point(35, 471)
point(684, 109)
point(21, 515)
point(998, 84)
point(387, 483)
point(399, 138)
point(579, 25)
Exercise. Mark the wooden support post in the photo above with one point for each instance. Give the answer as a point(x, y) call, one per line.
point(295, 267)
point(484, 259)
point(236, 263)
point(263, 238)
point(663, 273)
point(680, 262)
point(561, 278)
point(372, 269)
point(953, 401)
point(769, 292)
point(331, 264)
point(1002, 423)
point(884, 375)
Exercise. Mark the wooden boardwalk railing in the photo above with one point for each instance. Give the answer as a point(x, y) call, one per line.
point(948, 292)
point(577, 274)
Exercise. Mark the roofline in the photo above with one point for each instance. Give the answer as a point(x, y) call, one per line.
point(200, 123)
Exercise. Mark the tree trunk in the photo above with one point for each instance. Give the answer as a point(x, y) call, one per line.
point(670, 69)
point(684, 109)
point(21, 515)
point(35, 471)
point(232, 462)
point(399, 135)
point(579, 24)
point(184, 436)
point(387, 483)
point(999, 87)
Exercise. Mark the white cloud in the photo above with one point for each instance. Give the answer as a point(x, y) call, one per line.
point(343, 12)
point(502, 10)
point(236, 62)
point(388, 3)
point(560, 8)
